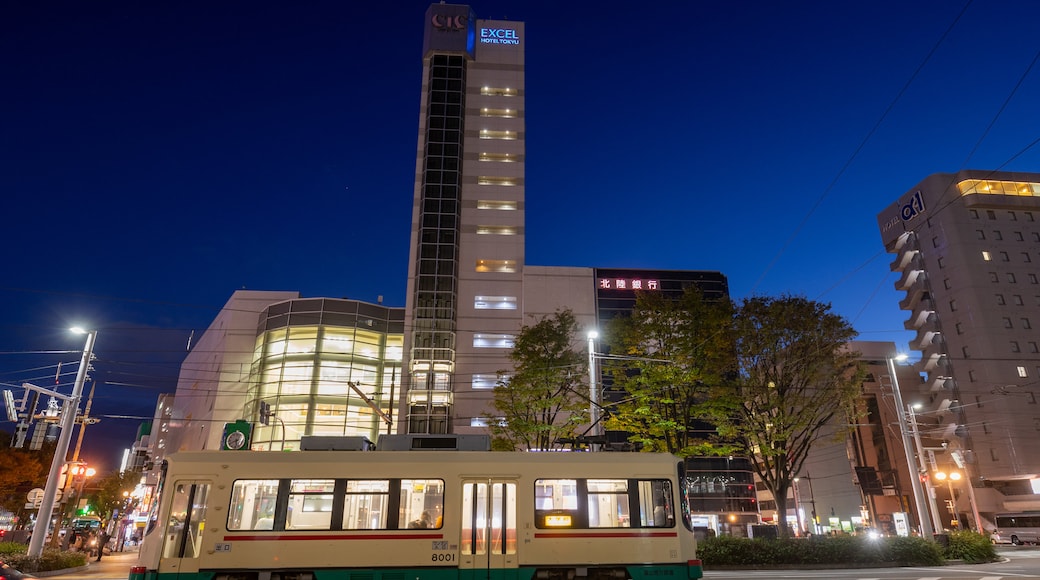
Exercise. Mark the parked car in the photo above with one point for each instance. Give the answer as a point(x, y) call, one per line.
point(9, 573)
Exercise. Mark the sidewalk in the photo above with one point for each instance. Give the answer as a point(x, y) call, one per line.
point(115, 565)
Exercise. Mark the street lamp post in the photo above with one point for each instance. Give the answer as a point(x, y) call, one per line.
point(923, 469)
point(904, 434)
point(593, 390)
point(812, 502)
point(68, 418)
point(950, 478)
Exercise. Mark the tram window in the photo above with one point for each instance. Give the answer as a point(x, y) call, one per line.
point(655, 504)
point(608, 503)
point(366, 504)
point(252, 504)
point(422, 503)
point(556, 494)
point(310, 504)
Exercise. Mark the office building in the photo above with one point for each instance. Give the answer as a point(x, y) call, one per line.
point(967, 247)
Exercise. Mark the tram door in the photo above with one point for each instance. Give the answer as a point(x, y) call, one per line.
point(186, 522)
point(487, 540)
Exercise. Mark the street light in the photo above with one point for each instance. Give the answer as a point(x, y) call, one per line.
point(595, 427)
point(923, 467)
point(68, 419)
point(905, 435)
point(950, 477)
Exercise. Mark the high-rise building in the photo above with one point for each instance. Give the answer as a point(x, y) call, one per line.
point(967, 247)
point(467, 242)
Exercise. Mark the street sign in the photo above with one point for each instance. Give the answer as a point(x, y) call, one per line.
point(35, 497)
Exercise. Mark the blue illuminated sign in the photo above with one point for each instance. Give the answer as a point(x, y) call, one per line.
point(498, 36)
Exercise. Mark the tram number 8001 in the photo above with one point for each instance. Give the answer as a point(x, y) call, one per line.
point(450, 557)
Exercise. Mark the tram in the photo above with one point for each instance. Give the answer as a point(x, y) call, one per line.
point(418, 515)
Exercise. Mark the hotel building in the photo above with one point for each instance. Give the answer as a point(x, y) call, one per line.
point(967, 247)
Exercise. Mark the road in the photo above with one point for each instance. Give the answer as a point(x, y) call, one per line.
point(1019, 562)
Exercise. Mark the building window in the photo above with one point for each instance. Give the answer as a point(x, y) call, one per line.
point(1025, 323)
point(485, 340)
point(953, 305)
point(1029, 216)
point(1000, 299)
point(985, 258)
point(496, 230)
point(505, 266)
point(503, 135)
point(971, 377)
point(498, 91)
point(991, 214)
point(489, 180)
point(980, 234)
point(494, 302)
point(1004, 257)
point(500, 113)
point(959, 328)
point(484, 381)
point(1017, 299)
point(1022, 372)
point(499, 157)
point(1033, 348)
point(1015, 347)
point(496, 204)
point(946, 283)
point(993, 277)
point(1032, 279)
point(1011, 278)
point(1025, 257)
point(1018, 237)
point(1036, 236)
point(1012, 215)
point(935, 242)
point(965, 353)
point(974, 214)
point(997, 235)
point(1007, 322)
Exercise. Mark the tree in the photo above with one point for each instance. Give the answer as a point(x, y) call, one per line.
point(794, 375)
point(673, 351)
point(538, 403)
point(20, 471)
point(109, 492)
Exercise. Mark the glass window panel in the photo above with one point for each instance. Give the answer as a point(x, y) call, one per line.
point(655, 504)
point(422, 503)
point(252, 504)
point(310, 504)
point(365, 506)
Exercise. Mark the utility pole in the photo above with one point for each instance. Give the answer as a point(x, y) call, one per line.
point(83, 420)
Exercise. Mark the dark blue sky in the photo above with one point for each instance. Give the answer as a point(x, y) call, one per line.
point(155, 157)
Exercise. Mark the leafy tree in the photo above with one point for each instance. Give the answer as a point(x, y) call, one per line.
point(794, 375)
point(673, 351)
point(20, 471)
point(539, 404)
point(108, 495)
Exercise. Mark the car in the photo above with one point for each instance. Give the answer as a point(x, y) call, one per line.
point(9, 573)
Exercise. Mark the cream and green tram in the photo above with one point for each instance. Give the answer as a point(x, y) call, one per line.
point(418, 515)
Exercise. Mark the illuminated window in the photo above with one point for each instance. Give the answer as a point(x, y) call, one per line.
point(1022, 372)
point(505, 266)
point(985, 256)
point(252, 504)
point(485, 340)
point(310, 504)
point(495, 204)
point(485, 381)
point(501, 113)
point(499, 157)
point(498, 91)
point(487, 180)
point(497, 230)
point(494, 302)
point(504, 135)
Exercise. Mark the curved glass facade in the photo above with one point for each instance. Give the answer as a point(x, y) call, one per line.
point(327, 367)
